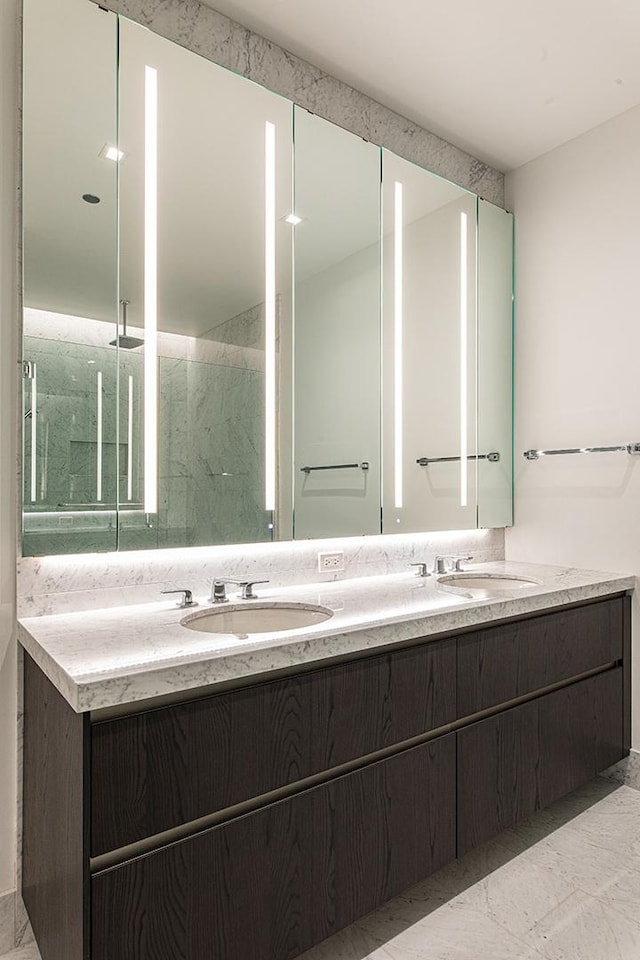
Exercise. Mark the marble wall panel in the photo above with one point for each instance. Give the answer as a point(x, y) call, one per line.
point(211, 426)
point(63, 329)
point(225, 431)
point(244, 330)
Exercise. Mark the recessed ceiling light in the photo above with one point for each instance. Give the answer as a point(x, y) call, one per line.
point(90, 198)
point(292, 218)
point(111, 152)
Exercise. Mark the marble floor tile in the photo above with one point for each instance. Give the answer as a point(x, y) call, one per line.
point(573, 859)
point(7, 921)
point(564, 885)
point(613, 821)
point(29, 952)
point(620, 891)
point(452, 931)
point(530, 894)
point(627, 771)
point(583, 927)
point(514, 896)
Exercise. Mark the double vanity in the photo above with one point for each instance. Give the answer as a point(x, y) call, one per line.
point(236, 315)
point(190, 793)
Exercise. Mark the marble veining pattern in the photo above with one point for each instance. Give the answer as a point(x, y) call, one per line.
point(118, 655)
point(7, 920)
point(210, 485)
point(214, 36)
point(62, 584)
point(27, 952)
point(563, 885)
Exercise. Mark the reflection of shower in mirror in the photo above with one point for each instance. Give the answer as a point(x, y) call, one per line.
point(123, 340)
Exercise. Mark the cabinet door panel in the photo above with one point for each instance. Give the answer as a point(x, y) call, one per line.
point(520, 761)
point(505, 662)
point(271, 884)
point(156, 770)
point(54, 851)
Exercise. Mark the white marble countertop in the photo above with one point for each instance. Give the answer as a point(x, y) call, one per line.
point(117, 655)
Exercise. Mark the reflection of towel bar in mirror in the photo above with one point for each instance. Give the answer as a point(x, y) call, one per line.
point(338, 466)
point(633, 449)
point(492, 457)
point(128, 505)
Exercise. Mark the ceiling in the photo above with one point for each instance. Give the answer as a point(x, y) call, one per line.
point(506, 80)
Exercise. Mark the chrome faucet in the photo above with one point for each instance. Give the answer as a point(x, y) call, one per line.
point(187, 598)
point(450, 562)
point(422, 570)
point(219, 592)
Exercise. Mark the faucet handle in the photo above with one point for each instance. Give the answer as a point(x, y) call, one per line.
point(422, 571)
point(187, 599)
point(246, 589)
point(218, 591)
point(460, 560)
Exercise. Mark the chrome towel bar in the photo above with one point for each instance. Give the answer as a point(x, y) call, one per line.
point(338, 466)
point(492, 457)
point(633, 449)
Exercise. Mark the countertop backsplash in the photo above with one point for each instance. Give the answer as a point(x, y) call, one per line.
point(64, 584)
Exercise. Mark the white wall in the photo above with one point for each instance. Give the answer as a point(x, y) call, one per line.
point(577, 352)
point(8, 313)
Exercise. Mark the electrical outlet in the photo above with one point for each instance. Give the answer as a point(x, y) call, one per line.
point(331, 561)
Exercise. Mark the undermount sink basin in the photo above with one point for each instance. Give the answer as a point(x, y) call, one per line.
point(257, 618)
point(488, 582)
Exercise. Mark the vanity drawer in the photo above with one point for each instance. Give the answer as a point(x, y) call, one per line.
point(521, 760)
point(499, 664)
point(155, 770)
point(269, 885)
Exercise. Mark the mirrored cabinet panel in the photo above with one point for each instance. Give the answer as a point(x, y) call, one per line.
point(242, 322)
point(205, 286)
point(337, 331)
point(70, 457)
point(495, 361)
point(429, 368)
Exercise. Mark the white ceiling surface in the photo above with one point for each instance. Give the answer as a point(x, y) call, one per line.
point(506, 80)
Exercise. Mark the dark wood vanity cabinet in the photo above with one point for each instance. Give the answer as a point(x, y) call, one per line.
point(156, 770)
point(253, 823)
point(521, 760)
point(276, 881)
point(501, 663)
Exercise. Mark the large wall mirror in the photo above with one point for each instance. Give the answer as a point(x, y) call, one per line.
point(232, 334)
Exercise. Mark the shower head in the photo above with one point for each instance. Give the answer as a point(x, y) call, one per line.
point(123, 340)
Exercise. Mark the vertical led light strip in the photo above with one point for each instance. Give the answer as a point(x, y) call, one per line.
point(34, 432)
point(44, 473)
point(99, 437)
point(464, 292)
point(397, 344)
point(130, 442)
point(151, 291)
point(270, 314)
